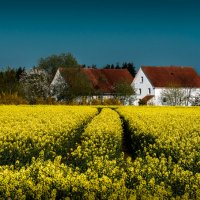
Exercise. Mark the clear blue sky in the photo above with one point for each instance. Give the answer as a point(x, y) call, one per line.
point(145, 32)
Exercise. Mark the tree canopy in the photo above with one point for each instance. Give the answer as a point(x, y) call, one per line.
point(51, 63)
point(124, 91)
point(9, 80)
point(77, 85)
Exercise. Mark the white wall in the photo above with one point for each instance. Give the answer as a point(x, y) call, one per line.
point(157, 98)
point(144, 85)
point(57, 84)
point(57, 78)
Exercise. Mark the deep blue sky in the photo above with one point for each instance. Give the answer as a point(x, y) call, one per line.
point(145, 32)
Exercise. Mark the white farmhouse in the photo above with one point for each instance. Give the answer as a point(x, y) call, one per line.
point(151, 81)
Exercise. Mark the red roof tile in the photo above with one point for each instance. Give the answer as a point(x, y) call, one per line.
point(103, 80)
point(147, 98)
point(172, 76)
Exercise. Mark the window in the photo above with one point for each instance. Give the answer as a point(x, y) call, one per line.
point(164, 100)
point(142, 79)
point(149, 90)
point(140, 91)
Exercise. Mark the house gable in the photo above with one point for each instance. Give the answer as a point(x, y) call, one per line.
point(57, 85)
point(142, 85)
point(57, 78)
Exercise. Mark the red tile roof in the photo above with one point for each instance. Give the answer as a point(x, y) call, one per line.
point(146, 99)
point(98, 80)
point(172, 76)
point(103, 80)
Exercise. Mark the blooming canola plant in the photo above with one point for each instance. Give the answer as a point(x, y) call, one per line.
point(78, 152)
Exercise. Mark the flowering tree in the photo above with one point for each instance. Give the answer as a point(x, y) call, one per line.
point(34, 85)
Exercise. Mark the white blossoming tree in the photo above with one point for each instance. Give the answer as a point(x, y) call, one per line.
point(35, 85)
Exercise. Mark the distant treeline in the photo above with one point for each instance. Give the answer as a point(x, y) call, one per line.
point(126, 65)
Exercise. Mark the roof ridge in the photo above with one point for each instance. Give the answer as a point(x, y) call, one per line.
point(163, 76)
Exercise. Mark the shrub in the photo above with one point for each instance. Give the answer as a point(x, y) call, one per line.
point(13, 99)
point(112, 101)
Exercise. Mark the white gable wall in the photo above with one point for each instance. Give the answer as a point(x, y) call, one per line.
point(57, 78)
point(142, 86)
point(57, 84)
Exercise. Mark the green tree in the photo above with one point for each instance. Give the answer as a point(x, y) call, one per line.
point(130, 67)
point(125, 92)
point(107, 66)
point(76, 85)
point(53, 62)
point(9, 80)
point(112, 66)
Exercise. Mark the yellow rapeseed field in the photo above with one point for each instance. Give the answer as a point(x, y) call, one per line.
point(26, 130)
point(77, 152)
point(166, 148)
